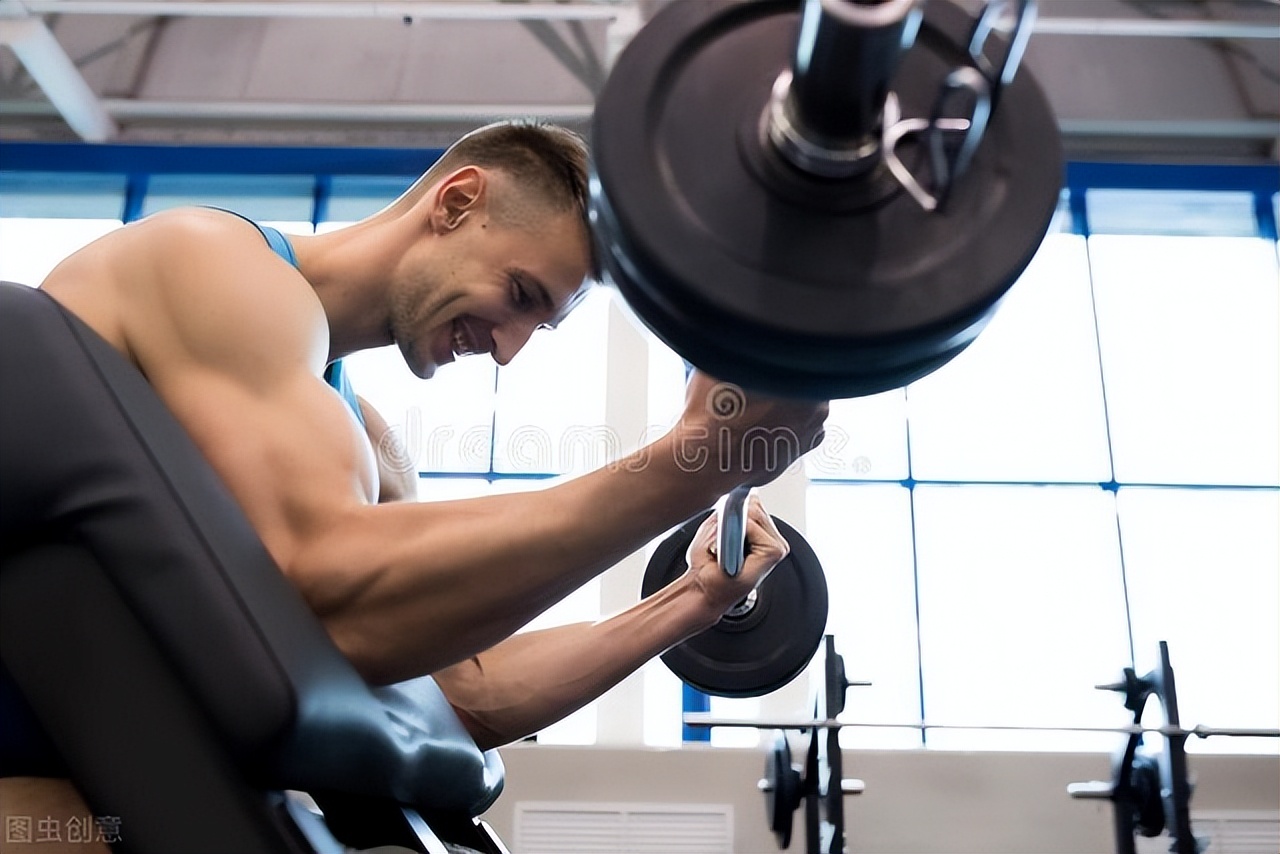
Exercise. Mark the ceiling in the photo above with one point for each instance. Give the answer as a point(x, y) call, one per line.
point(1155, 80)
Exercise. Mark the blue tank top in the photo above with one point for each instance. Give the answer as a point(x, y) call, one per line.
point(335, 374)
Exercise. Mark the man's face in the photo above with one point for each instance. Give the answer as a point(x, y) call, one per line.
point(486, 287)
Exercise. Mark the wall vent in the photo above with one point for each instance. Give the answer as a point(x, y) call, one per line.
point(1228, 832)
point(559, 827)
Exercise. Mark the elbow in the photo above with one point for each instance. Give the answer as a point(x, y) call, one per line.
point(485, 736)
point(465, 687)
point(363, 652)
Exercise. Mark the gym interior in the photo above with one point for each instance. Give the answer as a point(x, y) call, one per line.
point(1088, 495)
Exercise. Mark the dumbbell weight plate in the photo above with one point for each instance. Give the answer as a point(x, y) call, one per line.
point(765, 648)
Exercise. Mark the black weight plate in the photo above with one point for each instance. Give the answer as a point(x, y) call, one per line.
point(767, 648)
point(1148, 805)
point(837, 685)
point(803, 286)
point(782, 791)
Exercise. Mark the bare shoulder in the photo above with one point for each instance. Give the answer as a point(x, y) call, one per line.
point(193, 286)
point(205, 286)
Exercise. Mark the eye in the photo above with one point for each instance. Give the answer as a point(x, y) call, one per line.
point(519, 296)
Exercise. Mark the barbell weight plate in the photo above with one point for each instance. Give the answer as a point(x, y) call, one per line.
point(1148, 804)
point(766, 648)
point(782, 791)
point(837, 684)
point(782, 282)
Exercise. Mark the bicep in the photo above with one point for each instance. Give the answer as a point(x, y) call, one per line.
point(235, 346)
point(291, 453)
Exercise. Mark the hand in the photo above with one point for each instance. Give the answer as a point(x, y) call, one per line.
point(765, 549)
point(744, 438)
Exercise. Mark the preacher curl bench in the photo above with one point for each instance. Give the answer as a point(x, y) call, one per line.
point(185, 686)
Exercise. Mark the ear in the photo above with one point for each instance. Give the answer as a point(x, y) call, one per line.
point(459, 195)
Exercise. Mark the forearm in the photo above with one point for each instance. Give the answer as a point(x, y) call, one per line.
point(407, 589)
point(537, 678)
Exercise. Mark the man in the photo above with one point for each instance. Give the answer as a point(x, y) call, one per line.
point(489, 245)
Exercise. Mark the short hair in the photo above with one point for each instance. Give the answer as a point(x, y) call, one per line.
point(551, 162)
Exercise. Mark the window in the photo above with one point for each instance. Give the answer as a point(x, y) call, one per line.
point(1188, 335)
point(1096, 473)
point(1022, 612)
point(862, 535)
point(550, 408)
point(1201, 567)
point(45, 216)
point(30, 248)
point(1024, 401)
point(280, 201)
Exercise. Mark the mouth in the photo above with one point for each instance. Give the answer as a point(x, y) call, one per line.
point(464, 340)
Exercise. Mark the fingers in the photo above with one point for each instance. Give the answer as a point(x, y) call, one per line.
point(765, 544)
point(704, 541)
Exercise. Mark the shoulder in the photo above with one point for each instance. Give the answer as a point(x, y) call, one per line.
point(211, 287)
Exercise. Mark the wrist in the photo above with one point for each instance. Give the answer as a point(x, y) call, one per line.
point(694, 609)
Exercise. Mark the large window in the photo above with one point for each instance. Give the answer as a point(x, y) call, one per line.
point(1096, 473)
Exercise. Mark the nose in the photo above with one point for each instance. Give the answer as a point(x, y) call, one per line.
point(510, 338)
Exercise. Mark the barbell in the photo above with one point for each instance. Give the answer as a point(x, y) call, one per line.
point(825, 198)
point(1150, 793)
point(700, 719)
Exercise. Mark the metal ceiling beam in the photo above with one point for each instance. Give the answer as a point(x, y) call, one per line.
point(420, 10)
point(546, 11)
point(126, 109)
point(1258, 129)
point(1149, 28)
point(55, 73)
point(581, 61)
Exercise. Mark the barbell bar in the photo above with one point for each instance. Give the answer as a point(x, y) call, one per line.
point(702, 719)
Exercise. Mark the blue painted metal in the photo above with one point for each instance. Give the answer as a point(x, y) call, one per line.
point(693, 700)
point(213, 160)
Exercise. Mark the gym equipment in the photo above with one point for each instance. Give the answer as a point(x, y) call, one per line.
point(824, 198)
point(821, 787)
point(783, 788)
point(1150, 791)
point(706, 720)
point(768, 638)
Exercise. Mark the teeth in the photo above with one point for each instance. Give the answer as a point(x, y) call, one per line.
point(459, 345)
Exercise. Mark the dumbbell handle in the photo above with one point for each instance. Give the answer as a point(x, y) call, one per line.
point(731, 532)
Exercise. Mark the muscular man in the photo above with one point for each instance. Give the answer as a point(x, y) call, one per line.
point(489, 245)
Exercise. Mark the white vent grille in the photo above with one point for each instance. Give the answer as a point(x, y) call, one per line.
point(556, 827)
point(1228, 832)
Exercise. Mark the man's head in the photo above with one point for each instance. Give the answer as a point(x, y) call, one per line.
point(504, 245)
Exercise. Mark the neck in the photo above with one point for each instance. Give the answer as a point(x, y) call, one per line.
point(350, 280)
